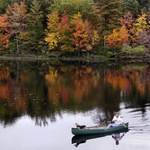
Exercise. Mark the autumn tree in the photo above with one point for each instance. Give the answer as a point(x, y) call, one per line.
point(81, 34)
point(133, 36)
point(52, 33)
point(117, 37)
point(34, 29)
point(65, 32)
point(127, 20)
point(16, 17)
point(138, 29)
point(4, 37)
point(143, 38)
point(141, 23)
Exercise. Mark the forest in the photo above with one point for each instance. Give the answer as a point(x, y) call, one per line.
point(75, 28)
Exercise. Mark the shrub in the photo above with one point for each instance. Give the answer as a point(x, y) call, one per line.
point(135, 51)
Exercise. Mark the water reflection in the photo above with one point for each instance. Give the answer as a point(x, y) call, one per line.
point(118, 137)
point(81, 139)
point(42, 90)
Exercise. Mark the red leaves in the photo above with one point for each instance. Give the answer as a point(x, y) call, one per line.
point(64, 23)
point(127, 20)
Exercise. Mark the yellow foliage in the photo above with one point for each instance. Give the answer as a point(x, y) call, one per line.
point(77, 16)
point(95, 37)
point(52, 39)
point(83, 50)
point(52, 30)
point(117, 37)
point(141, 24)
point(88, 47)
point(132, 32)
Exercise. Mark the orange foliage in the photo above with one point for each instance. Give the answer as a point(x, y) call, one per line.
point(65, 93)
point(82, 33)
point(4, 38)
point(8, 89)
point(117, 37)
point(125, 80)
point(79, 87)
point(118, 80)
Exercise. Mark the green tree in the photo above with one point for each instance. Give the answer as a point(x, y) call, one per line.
point(110, 12)
point(133, 7)
point(34, 30)
point(3, 5)
point(72, 7)
point(144, 5)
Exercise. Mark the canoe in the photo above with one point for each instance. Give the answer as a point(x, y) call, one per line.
point(97, 130)
point(80, 138)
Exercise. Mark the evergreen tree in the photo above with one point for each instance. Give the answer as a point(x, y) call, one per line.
point(133, 7)
point(110, 11)
point(3, 5)
point(34, 30)
point(72, 7)
point(144, 5)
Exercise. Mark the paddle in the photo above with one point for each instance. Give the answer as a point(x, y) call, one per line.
point(124, 125)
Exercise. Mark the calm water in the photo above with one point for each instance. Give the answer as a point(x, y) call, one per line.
point(41, 101)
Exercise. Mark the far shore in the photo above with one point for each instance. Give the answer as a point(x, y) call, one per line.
point(43, 58)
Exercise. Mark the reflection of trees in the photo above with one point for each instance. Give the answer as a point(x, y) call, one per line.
point(70, 82)
point(108, 102)
point(45, 91)
point(133, 83)
point(12, 97)
point(81, 87)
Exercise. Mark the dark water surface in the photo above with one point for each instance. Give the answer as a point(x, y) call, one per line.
point(41, 101)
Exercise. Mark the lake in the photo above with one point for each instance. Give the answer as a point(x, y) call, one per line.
point(41, 100)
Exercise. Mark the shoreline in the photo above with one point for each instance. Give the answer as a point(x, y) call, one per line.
point(42, 58)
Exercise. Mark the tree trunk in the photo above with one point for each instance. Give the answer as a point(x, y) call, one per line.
point(104, 43)
point(87, 53)
point(104, 46)
point(17, 37)
point(114, 50)
point(78, 53)
point(17, 44)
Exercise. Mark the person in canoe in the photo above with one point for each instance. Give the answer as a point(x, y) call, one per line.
point(117, 121)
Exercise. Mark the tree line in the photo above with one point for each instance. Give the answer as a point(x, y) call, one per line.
point(74, 28)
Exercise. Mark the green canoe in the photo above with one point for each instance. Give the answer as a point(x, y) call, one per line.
point(97, 130)
point(80, 138)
